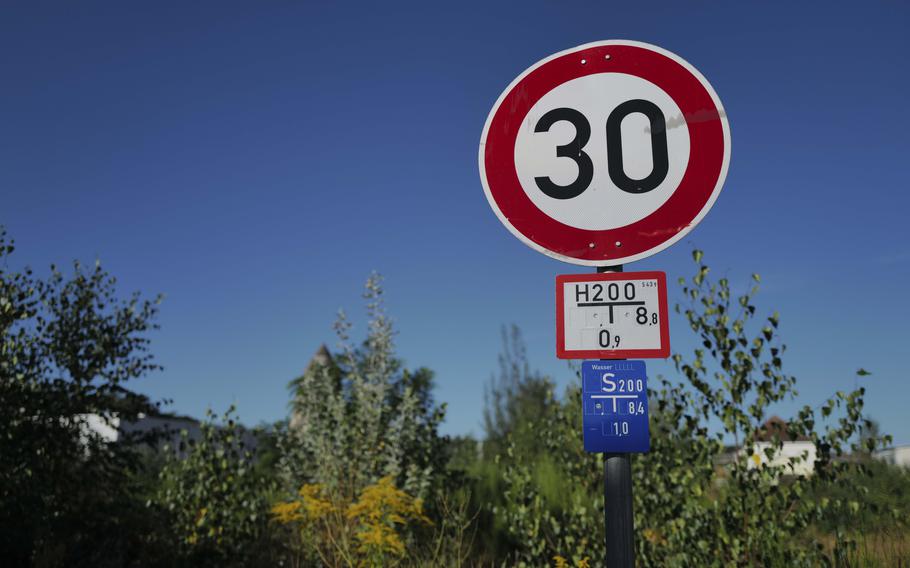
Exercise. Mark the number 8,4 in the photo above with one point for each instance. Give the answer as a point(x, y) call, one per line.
point(574, 149)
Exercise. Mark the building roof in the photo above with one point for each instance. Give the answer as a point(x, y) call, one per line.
point(321, 358)
point(777, 427)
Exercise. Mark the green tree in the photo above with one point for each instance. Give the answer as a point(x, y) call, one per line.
point(552, 499)
point(516, 455)
point(216, 498)
point(514, 398)
point(754, 511)
point(68, 346)
point(360, 417)
point(689, 509)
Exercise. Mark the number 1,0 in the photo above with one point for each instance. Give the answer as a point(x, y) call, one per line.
point(619, 428)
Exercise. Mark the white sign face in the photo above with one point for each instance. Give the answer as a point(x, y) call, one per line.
point(603, 205)
point(612, 316)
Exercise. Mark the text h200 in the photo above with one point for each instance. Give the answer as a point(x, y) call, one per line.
point(574, 150)
point(596, 292)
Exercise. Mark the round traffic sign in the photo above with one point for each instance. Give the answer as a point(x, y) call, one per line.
point(605, 153)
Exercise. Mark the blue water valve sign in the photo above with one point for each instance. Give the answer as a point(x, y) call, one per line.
point(615, 398)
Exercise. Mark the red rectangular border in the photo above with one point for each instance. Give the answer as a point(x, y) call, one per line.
point(661, 353)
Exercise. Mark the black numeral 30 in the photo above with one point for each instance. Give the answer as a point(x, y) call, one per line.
point(574, 150)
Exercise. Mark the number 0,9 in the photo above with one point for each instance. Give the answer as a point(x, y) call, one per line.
point(574, 149)
point(606, 340)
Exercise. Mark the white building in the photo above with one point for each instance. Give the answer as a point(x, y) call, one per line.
point(898, 455)
point(161, 429)
point(169, 428)
point(796, 455)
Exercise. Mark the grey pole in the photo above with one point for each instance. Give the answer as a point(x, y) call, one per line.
point(618, 500)
point(618, 511)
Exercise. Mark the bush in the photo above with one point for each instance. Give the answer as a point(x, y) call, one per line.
point(359, 476)
point(68, 345)
point(689, 511)
point(216, 500)
point(362, 422)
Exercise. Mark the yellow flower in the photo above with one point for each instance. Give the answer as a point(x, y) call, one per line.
point(311, 506)
point(652, 536)
point(376, 516)
point(583, 563)
point(382, 507)
point(560, 562)
point(286, 513)
point(380, 538)
point(317, 506)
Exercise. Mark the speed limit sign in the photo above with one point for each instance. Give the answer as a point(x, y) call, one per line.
point(606, 153)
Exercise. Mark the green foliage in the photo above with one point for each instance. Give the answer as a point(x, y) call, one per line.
point(885, 499)
point(553, 504)
point(361, 416)
point(674, 484)
point(360, 476)
point(68, 345)
point(395, 430)
point(758, 514)
point(217, 500)
point(690, 509)
point(514, 398)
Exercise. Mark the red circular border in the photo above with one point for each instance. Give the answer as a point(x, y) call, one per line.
point(706, 158)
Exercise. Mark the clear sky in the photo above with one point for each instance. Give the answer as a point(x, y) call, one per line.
point(255, 161)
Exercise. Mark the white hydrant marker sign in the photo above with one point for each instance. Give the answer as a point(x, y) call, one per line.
point(613, 315)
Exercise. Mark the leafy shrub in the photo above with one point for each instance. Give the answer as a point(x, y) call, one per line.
point(689, 510)
point(361, 416)
point(365, 532)
point(68, 346)
point(217, 500)
point(362, 427)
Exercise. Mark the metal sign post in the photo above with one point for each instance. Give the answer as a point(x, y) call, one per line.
point(618, 522)
point(618, 510)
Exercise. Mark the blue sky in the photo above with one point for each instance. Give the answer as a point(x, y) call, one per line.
point(255, 161)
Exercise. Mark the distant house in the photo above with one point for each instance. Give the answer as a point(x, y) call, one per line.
point(167, 426)
point(797, 454)
point(898, 455)
point(164, 429)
